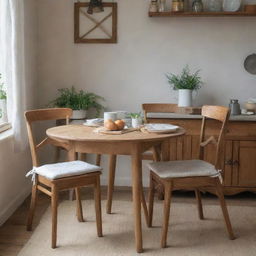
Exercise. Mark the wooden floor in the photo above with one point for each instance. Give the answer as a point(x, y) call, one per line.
point(13, 234)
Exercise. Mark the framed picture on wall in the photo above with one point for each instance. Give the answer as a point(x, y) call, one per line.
point(100, 27)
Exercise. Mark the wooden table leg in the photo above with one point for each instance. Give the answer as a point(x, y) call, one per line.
point(136, 194)
point(98, 159)
point(111, 181)
point(71, 157)
point(165, 150)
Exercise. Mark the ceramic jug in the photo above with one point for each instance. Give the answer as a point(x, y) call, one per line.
point(234, 107)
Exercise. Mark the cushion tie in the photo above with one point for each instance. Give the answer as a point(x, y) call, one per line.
point(33, 173)
point(218, 174)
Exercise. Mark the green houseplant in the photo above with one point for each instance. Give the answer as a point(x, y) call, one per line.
point(80, 101)
point(185, 83)
point(3, 97)
point(136, 119)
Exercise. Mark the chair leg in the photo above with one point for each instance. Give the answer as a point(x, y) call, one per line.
point(79, 209)
point(144, 205)
point(54, 204)
point(224, 209)
point(97, 199)
point(151, 196)
point(32, 207)
point(111, 181)
point(167, 205)
point(98, 159)
point(199, 204)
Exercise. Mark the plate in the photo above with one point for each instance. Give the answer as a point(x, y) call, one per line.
point(92, 125)
point(231, 5)
point(161, 128)
point(250, 64)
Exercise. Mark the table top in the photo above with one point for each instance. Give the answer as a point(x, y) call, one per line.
point(83, 133)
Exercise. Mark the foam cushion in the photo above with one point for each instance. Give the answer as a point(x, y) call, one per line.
point(184, 168)
point(65, 169)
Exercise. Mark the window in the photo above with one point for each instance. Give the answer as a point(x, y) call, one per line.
point(4, 125)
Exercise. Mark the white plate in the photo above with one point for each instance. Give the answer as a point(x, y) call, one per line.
point(161, 128)
point(92, 124)
point(231, 5)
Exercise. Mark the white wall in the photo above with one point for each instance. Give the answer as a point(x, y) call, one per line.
point(132, 71)
point(14, 187)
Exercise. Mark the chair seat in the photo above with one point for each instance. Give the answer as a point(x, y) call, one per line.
point(182, 169)
point(65, 169)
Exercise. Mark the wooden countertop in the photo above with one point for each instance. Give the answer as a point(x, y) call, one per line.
point(243, 118)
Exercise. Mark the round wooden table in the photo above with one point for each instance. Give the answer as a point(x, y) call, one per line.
point(83, 139)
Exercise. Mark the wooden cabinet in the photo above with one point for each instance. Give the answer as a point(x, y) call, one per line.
point(242, 164)
point(238, 157)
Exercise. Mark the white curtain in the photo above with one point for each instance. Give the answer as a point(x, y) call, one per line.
point(12, 43)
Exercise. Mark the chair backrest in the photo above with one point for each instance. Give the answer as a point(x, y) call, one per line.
point(32, 116)
point(220, 114)
point(158, 108)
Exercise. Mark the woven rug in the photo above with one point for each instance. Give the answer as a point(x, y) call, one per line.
point(188, 236)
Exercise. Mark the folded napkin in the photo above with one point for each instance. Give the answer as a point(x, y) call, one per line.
point(161, 127)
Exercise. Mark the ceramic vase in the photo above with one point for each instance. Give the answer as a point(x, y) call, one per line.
point(79, 114)
point(136, 122)
point(185, 98)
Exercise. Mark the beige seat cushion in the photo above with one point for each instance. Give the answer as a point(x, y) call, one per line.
point(184, 168)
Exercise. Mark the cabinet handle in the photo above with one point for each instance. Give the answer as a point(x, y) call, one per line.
point(229, 162)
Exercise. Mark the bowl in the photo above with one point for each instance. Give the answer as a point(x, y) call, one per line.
point(250, 106)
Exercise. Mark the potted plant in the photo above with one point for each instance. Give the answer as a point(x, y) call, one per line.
point(79, 101)
point(3, 97)
point(136, 119)
point(185, 83)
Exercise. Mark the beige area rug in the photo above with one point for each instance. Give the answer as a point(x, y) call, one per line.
point(188, 236)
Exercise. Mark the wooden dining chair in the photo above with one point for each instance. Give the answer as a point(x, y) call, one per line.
point(149, 108)
point(192, 174)
point(52, 178)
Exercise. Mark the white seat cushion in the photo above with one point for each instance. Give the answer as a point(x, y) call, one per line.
point(65, 169)
point(184, 168)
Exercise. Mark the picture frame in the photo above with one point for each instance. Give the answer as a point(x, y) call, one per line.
point(86, 24)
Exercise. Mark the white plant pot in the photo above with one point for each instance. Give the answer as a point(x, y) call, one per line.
point(185, 98)
point(3, 109)
point(79, 114)
point(136, 122)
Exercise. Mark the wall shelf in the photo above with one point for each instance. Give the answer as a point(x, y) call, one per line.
point(201, 14)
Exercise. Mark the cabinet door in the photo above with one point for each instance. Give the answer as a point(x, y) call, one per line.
point(244, 163)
